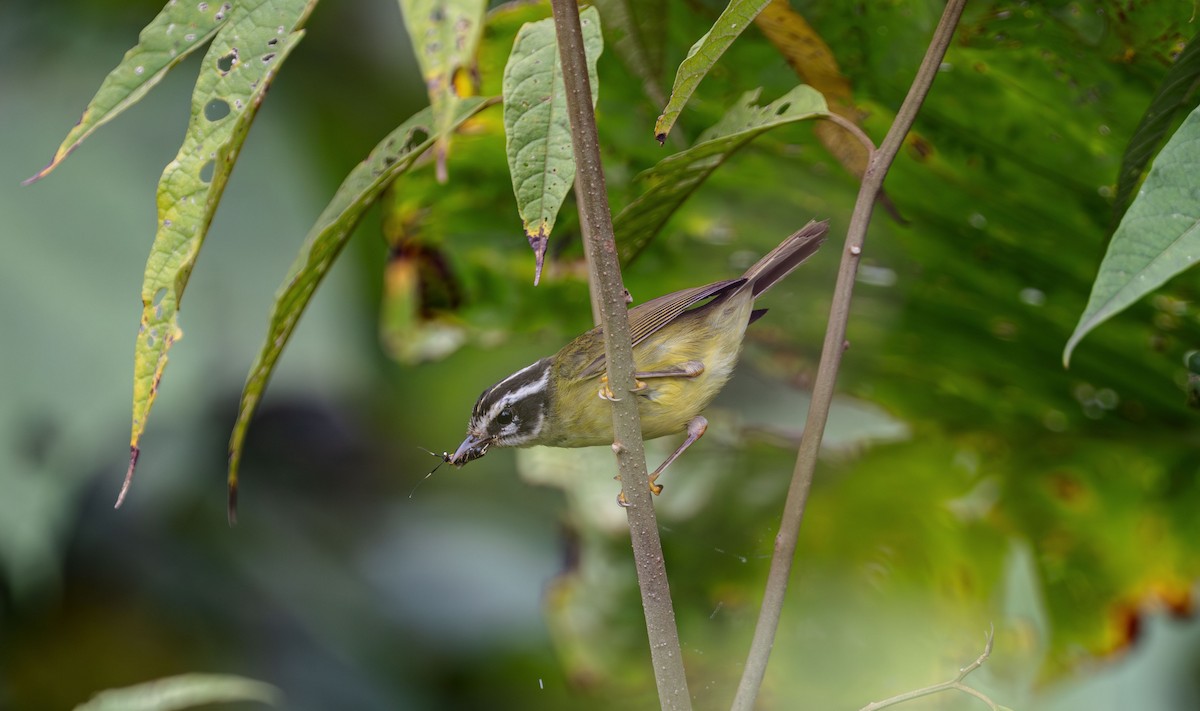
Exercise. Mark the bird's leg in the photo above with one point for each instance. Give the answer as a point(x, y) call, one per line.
point(695, 430)
point(688, 369)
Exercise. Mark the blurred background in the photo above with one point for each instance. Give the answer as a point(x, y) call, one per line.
point(968, 481)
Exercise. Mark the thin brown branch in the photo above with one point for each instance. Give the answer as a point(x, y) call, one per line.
point(831, 356)
point(853, 129)
point(604, 272)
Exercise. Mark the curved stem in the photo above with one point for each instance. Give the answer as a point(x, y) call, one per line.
point(854, 130)
point(608, 293)
point(831, 356)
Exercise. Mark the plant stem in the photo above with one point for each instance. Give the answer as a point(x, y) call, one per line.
point(831, 356)
point(955, 683)
point(604, 272)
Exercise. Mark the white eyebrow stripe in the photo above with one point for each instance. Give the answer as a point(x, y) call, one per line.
point(518, 374)
point(520, 393)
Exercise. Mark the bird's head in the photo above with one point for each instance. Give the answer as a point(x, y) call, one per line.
point(511, 413)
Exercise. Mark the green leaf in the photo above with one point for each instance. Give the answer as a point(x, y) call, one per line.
point(703, 55)
point(175, 33)
point(636, 32)
point(1177, 85)
point(361, 188)
point(444, 35)
point(537, 129)
point(1158, 237)
point(674, 178)
point(234, 77)
point(183, 692)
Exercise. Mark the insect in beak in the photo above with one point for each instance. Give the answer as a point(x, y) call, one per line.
point(445, 457)
point(472, 448)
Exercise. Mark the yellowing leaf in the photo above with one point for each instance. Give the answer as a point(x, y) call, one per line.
point(444, 36)
point(419, 286)
point(814, 62)
point(234, 77)
point(541, 158)
point(174, 34)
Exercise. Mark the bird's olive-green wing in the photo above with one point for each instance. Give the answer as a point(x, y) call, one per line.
point(647, 319)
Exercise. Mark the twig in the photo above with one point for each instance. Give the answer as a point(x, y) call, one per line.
point(853, 129)
point(831, 356)
point(604, 272)
point(955, 683)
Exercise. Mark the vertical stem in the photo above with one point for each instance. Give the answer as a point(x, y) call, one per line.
point(604, 272)
point(831, 357)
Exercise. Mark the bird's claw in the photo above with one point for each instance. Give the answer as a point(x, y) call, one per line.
point(606, 393)
point(655, 489)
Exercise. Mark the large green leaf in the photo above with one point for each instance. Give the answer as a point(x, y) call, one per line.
point(361, 188)
point(175, 33)
point(444, 35)
point(182, 692)
point(1176, 87)
point(703, 55)
point(238, 69)
point(674, 178)
point(541, 158)
point(1158, 237)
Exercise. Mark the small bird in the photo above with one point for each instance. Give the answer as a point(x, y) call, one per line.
point(683, 357)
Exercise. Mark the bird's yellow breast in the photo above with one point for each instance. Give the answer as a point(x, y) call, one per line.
point(711, 335)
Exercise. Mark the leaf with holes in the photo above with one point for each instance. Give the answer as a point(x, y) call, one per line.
point(444, 35)
point(637, 31)
point(237, 70)
point(702, 56)
point(674, 178)
point(537, 129)
point(183, 692)
point(361, 188)
point(174, 34)
point(1176, 87)
point(1158, 237)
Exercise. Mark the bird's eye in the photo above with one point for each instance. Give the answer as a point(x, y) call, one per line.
point(505, 417)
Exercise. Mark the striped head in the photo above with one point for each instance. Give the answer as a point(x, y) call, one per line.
point(511, 413)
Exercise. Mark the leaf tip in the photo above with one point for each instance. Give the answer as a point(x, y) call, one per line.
point(661, 128)
point(134, 452)
point(231, 504)
point(231, 501)
point(1068, 349)
point(538, 241)
point(40, 174)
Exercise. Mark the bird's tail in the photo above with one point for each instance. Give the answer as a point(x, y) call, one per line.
point(790, 253)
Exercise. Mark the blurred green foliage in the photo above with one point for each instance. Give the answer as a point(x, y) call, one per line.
point(974, 482)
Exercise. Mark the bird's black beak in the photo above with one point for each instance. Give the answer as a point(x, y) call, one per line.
point(472, 448)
